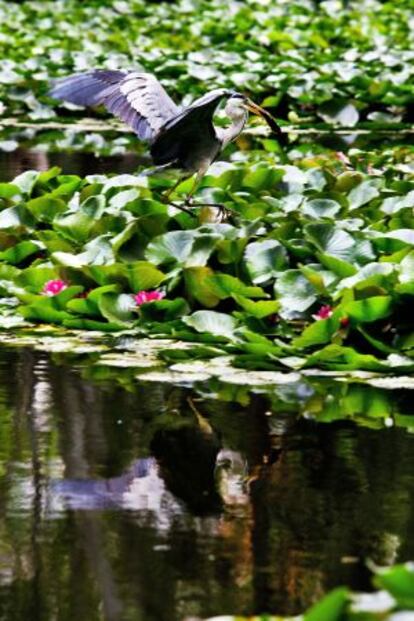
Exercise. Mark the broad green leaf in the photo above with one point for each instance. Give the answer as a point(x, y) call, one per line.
point(334, 241)
point(217, 324)
point(26, 181)
point(339, 112)
point(171, 247)
point(348, 180)
point(75, 323)
point(164, 310)
point(261, 309)
point(45, 208)
point(331, 607)
point(339, 358)
point(264, 259)
point(182, 247)
point(16, 254)
point(15, 217)
point(317, 333)
point(8, 190)
point(399, 581)
point(197, 286)
point(117, 273)
point(93, 206)
point(369, 309)
point(75, 226)
point(44, 311)
point(83, 306)
point(116, 308)
point(224, 286)
point(143, 275)
point(47, 175)
point(371, 274)
point(362, 194)
point(321, 208)
point(338, 266)
point(295, 293)
point(122, 199)
point(34, 278)
point(96, 294)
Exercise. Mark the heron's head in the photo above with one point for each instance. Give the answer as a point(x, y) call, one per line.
point(238, 105)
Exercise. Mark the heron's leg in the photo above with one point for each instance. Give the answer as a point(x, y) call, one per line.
point(200, 174)
point(148, 172)
point(166, 195)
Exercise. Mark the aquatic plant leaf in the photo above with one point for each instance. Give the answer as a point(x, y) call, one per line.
point(295, 293)
point(45, 208)
point(116, 308)
point(321, 208)
point(217, 324)
point(363, 193)
point(399, 581)
point(164, 310)
point(339, 112)
point(318, 333)
point(197, 287)
point(369, 309)
point(142, 276)
point(16, 254)
point(8, 190)
point(330, 608)
point(261, 309)
point(182, 247)
point(264, 259)
point(225, 286)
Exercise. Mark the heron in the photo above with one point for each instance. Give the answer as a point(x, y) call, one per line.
point(179, 137)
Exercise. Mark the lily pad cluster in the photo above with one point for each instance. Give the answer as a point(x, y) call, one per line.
point(393, 602)
point(335, 60)
point(314, 267)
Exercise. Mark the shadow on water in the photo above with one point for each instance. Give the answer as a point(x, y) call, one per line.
point(85, 163)
point(153, 502)
point(73, 163)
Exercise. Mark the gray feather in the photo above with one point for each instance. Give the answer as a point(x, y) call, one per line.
point(185, 137)
point(136, 98)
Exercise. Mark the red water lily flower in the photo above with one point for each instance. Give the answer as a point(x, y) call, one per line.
point(344, 322)
point(143, 297)
point(53, 287)
point(324, 312)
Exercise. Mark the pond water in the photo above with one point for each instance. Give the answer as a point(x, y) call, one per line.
point(75, 163)
point(85, 163)
point(151, 501)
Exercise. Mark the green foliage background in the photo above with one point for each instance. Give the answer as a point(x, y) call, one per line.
point(331, 60)
point(309, 227)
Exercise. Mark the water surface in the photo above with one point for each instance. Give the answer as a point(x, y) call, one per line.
point(152, 502)
point(74, 163)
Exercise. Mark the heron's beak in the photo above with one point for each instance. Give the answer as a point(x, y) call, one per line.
point(255, 109)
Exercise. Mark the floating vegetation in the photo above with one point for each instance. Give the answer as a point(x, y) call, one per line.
point(312, 269)
point(394, 602)
point(335, 61)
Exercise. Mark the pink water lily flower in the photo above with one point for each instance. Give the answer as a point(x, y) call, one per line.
point(53, 287)
point(324, 312)
point(143, 297)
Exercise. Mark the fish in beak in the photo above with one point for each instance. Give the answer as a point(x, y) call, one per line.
point(258, 111)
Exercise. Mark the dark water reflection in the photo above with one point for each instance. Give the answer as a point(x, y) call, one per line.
point(85, 163)
point(75, 163)
point(153, 504)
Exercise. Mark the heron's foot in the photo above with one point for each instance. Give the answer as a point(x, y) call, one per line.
point(223, 213)
point(177, 206)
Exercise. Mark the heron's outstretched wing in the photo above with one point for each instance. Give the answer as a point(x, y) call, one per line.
point(190, 130)
point(136, 98)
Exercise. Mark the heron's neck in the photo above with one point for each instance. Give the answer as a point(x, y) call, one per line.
point(230, 133)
